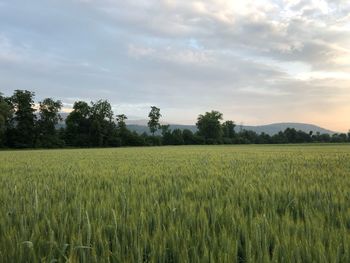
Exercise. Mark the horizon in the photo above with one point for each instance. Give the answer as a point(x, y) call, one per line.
point(258, 62)
point(143, 122)
point(138, 122)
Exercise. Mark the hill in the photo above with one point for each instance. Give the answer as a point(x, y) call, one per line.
point(140, 126)
point(274, 128)
point(270, 129)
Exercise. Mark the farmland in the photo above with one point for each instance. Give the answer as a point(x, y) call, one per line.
point(176, 204)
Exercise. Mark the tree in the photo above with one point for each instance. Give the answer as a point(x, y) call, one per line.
point(101, 110)
point(248, 136)
point(91, 125)
point(264, 138)
point(165, 129)
point(123, 132)
point(339, 137)
point(154, 117)
point(209, 126)
point(228, 128)
point(291, 135)
point(78, 125)
point(177, 138)
point(121, 121)
point(5, 116)
point(102, 125)
point(24, 120)
point(188, 137)
point(166, 134)
point(49, 118)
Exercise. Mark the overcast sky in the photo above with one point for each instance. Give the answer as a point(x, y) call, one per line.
point(258, 62)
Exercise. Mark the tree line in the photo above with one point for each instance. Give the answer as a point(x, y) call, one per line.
point(23, 124)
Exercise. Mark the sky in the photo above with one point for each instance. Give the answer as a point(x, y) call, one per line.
point(256, 61)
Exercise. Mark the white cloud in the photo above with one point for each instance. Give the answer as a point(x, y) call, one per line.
point(258, 55)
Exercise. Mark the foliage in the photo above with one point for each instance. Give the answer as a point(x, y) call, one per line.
point(172, 204)
point(166, 134)
point(188, 137)
point(5, 116)
point(177, 137)
point(93, 125)
point(209, 126)
point(102, 126)
point(228, 128)
point(49, 118)
point(78, 125)
point(154, 117)
point(121, 118)
point(23, 133)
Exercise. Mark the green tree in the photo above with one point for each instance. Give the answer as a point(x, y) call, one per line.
point(101, 110)
point(121, 118)
point(123, 133)
point(188, 137)
point(209, 126)
point(177, 138)
point(291, 135)
point(102, 125)
point(154, 117)
point(165, 129)
point(5, 116)
point(91, 125)
point(49, 118)
point(166, 134)
point(24, 119)
point(78, 125)
point(228, 128)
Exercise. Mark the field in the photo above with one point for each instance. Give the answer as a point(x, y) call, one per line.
point(176, 204)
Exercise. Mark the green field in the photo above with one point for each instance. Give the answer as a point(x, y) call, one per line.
point(176, 204)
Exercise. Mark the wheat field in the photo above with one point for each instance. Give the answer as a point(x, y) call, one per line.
point(287, 203)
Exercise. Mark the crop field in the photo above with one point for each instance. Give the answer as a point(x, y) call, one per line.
point(176, 204)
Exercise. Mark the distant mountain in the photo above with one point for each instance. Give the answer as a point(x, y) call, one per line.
point(277, 127)
point(140, 126)
point(143, 128)
point(270, 129)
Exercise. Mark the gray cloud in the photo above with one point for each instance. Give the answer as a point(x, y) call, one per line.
point(257, 61)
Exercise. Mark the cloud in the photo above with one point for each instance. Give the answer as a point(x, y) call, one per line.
point(249, 59)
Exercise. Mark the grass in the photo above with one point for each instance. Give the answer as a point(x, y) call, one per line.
point(176, 204)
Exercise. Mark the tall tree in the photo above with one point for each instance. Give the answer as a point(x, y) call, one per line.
point(209, 125)
point(78, 125)
point(121, 118)
point(101, 110)
point(154, 117)
point(24, 120)
point(123, 135)
point(5, 116)
point(228, 128)
point(49, 118)
point(102, 125)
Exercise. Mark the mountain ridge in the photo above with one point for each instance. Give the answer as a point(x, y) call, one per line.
point(140, 126)
point(270, 129)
